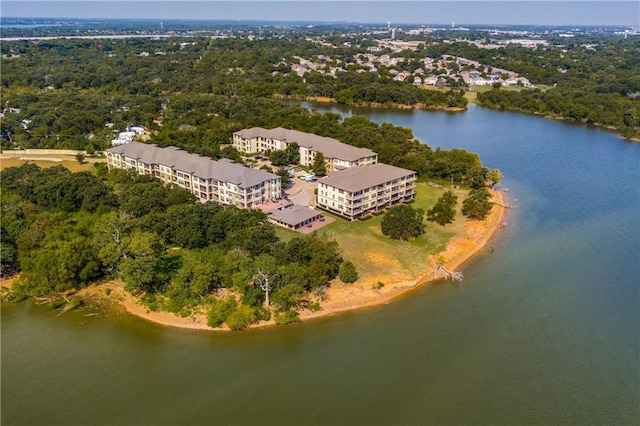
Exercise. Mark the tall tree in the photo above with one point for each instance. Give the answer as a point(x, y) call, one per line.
point(319, 167)
point(403, 222)
point(478, 204)
point(444, 211)
point(140, 267)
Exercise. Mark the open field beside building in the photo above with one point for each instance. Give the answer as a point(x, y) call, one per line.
point(49, 161)
point(375, 255)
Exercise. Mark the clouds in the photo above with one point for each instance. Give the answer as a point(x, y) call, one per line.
point(363, 11)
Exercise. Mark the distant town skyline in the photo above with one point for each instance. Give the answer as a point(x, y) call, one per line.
point(512, 12)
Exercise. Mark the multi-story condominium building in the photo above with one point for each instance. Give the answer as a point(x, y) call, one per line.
point(337, 154)
point(356, 192)
point(220, 181)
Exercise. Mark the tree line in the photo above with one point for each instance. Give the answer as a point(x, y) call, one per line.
point(63, 231)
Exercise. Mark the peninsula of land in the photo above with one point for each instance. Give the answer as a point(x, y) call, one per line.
point(341, 297)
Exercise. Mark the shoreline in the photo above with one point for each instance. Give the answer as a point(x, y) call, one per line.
point(340, 298)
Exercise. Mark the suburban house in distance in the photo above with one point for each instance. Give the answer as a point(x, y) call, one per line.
point(337, 154)
point(219, 181)
point(358, 191)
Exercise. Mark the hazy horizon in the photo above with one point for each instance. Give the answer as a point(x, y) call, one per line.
point(469, 12)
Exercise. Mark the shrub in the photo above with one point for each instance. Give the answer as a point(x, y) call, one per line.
point(241, 318)
point(262, 314)
point(348, 273)
point(220, 311)
point(313, 306)
point(287, 317)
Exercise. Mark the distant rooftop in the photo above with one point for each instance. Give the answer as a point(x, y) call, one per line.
point(331, 148)
point(202, 167)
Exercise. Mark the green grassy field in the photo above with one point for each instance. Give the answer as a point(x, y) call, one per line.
point(374, 254)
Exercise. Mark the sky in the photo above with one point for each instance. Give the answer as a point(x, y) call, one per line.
point(504, 12)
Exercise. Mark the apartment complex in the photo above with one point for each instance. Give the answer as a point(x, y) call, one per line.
point(337, 154)
point(219, 181)
point(356, 192)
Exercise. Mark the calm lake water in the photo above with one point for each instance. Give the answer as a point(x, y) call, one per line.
point(544, 330)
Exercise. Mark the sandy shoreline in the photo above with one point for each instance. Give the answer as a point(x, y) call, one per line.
point(340, 297)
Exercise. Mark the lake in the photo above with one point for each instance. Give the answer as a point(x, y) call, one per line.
point(543, 330)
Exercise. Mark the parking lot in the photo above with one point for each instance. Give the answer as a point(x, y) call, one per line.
point(301, 192)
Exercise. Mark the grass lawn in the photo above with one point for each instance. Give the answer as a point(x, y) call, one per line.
point(74, 166)
point(373, 254)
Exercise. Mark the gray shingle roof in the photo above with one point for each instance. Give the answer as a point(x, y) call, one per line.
point(294, 215)
point(358, 178)
point(331, 148)
point(201, 167)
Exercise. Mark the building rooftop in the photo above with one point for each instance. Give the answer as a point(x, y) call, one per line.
point(201, 167)
point(331, 148)
point(358, 178)
point(294, 215)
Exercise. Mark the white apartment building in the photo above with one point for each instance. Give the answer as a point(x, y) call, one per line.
point(337, 154)
point(356, 192)
point(219, 181)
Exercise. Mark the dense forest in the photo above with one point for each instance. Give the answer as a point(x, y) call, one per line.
point(66, 230)
point(68, 90)
point(76, 93)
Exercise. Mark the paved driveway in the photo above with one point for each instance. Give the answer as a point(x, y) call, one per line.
point(302, 193)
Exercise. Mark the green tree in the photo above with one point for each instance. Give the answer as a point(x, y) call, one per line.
point(197, 277)
point(444, 211)
point(284, 176)
point(63, 260)
point(220, 310)
point(478, 204)
point(241, 318)
point(108, 241)
point(348, 272)
point(495, 177)
point(142, 198)
point(403, 222)
point(140, 268)
point(288, 297)
point(319, 167)
point(293, 153)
